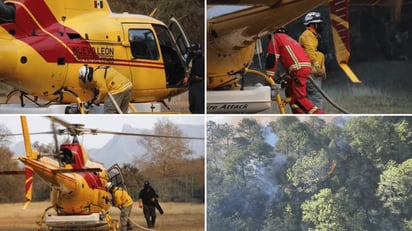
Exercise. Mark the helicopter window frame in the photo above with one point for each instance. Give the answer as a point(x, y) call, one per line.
point(143, 44)
point(173, 59)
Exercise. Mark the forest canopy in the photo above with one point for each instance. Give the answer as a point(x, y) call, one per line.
point(310, 173)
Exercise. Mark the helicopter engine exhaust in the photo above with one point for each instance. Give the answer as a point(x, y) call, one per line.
point(7, 12)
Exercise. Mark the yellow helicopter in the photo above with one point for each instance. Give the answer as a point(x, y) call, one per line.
point(44, 44)
point(78, 184)
point(234, 32)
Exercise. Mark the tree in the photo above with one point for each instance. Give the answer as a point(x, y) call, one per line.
point(219, 140)
point(4, 140)
point(329, 211)
point(163, 154)
point(389, 141)
point(12, 187)
point(190, 13)
point(168, 166)
point(394, 190)
point(320, 176)
point(295, 137)
point(309, 171)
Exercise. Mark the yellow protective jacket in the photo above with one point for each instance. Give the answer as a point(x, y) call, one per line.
point(107, 79)
point(121, 198)
point(309, 41)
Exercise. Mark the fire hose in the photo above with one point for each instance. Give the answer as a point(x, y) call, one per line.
point(333, 103)
point(324, 95)
point(139, 226)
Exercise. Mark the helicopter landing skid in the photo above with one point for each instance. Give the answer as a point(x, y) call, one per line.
point(71, 108)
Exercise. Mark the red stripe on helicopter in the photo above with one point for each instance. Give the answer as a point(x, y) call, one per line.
point(341, 9)
point(29, 180)
point(93, 180)
point(52, 48)
point(27, 30)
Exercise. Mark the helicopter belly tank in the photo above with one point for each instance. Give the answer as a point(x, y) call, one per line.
point(75, 222)
point(250, 100)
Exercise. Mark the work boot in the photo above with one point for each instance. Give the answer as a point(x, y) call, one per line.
point(153, 221)
point(129, 226)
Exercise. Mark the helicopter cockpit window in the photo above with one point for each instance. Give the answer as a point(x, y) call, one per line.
point(7, 12)
point(66, 157)
point(143, 44)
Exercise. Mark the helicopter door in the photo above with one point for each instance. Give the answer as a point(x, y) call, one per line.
point(115, 176)
point(173, 58)
point(143, 52)
point(180, 36)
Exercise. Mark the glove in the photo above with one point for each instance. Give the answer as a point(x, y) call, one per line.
point(186, 80)
point(270, 74)
point(140, 205)
point(317, 70)
point(89, 104)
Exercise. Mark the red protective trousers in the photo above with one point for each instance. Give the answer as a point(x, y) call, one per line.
point(295, 60)
point(296, 89)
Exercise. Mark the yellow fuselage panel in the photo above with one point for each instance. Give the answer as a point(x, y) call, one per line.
point(223, 64)
point(74, 192)
point(83, 199)
point(26, 70)
point(41, 55)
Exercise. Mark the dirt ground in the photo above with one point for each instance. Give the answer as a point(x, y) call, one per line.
point(177, 216)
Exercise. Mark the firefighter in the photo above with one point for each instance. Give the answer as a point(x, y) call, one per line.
point(195, 79)
point(123, 201)
point(295, 61)
point(106, 80)
point(148, 201)
point(309, 40)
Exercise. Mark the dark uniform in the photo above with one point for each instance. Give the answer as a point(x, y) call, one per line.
point(196, 66)
point(148, 197)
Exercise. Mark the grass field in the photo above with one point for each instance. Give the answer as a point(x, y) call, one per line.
point(385, 89)
point(177, 216)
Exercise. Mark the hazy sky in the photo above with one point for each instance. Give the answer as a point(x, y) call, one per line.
point(103, 122)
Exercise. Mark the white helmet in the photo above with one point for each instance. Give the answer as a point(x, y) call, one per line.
point(86, 73)
point(312, 17)
point(109, 186)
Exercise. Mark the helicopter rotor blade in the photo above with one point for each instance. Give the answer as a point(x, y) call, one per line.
point(78, 129)
point(147, 135)
point(71, 128)
point(60, 121)
point(31, 133)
